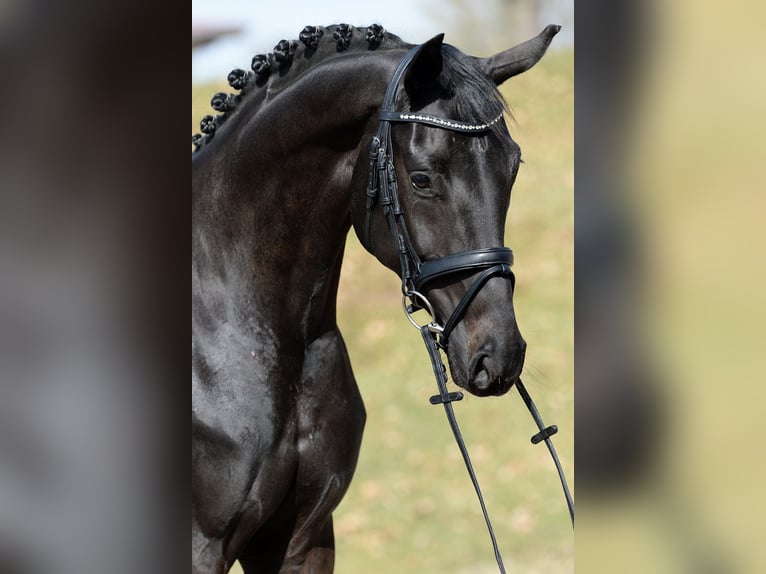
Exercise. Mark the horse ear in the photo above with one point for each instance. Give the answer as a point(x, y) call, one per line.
point(520, 58)
point(425, 67)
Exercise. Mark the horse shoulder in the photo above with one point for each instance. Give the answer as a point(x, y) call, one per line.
point(331, 418)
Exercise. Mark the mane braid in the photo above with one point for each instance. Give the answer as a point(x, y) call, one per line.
point(477, 99)
point(314, 44)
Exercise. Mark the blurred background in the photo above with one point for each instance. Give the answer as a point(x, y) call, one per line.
point(669, 303)
point(411, 506)
point(226, 34)
point(671, 102)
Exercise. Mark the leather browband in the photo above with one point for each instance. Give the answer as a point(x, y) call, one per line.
point(437, 122)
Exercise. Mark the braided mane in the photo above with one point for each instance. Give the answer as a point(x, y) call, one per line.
point(476, 97)
point(315, 43)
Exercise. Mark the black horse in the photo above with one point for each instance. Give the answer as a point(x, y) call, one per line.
point(278, 180)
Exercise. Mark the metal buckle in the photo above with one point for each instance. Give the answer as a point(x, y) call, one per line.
point(417, 298)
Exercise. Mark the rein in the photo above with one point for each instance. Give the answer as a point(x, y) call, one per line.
point(415, 273)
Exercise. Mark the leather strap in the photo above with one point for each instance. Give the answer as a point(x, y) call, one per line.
point(502, 270)
point(437, 122)
point(464, 261)
point(545, 434)
point(445, 399)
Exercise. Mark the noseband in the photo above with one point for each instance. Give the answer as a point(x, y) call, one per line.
point(416, 274)
point(382, 187)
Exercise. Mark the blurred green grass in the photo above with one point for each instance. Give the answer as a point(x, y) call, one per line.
point(411, 507)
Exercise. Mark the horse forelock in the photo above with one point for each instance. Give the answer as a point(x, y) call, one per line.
point(288, 60)
point(474, 95)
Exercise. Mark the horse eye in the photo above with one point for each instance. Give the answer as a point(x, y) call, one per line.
point(421, 181)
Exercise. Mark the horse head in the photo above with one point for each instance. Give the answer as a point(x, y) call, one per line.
point(440, 222)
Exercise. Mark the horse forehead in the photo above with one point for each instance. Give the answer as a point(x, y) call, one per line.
point(438, 146)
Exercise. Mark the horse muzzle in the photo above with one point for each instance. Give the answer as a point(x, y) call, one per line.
point(494, 368)
point(481, 312)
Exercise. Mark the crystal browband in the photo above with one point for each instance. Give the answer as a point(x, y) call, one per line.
point(437, 121)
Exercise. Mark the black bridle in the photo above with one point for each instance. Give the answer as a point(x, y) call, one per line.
point(383, 187)
point(416, 274)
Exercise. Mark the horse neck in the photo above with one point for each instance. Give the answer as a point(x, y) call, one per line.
point(271, 200)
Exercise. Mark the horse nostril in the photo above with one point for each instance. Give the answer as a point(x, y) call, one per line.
point(481, 378)
point(494, 373)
